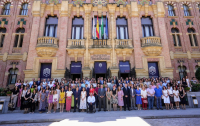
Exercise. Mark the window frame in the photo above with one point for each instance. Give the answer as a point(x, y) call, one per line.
point(5, 10)
point(118, 26)
point(104, 27)
point(171, 11)
point(186, 10)
point(2, 36)
point(192, 37)
point(149, 26)
point(19, 38)
point(24, 11)
point(49, 25)
point(11, 75)
point(81, 26)
point(176, 37)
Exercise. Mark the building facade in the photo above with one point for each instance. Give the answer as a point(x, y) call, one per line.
point(57, 38)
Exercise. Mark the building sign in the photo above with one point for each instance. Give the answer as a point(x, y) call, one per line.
point(100, 67)
point(100, 57)
point(153, 69)
point(76, 68)
point(124, 67)
point(45, 71)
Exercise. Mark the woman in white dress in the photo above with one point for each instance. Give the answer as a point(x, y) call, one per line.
point(83, 100)
point(58, 92)
point(166, 97)
point(176, 97)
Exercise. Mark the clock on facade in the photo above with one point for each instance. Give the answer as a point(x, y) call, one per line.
point(96, 2)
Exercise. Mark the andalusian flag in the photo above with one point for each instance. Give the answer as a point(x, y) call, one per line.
point(97, 28)
point(102, 28)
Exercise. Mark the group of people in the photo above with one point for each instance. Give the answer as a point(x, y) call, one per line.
point(108, 94)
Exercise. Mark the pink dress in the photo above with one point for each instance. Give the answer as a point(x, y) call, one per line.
point(50, 99)
point(18, 100)
point(120, 95)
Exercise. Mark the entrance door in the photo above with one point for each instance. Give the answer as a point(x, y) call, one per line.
point(45, 71)
point(124, 76)
point(75, 70)
point(100, 69)
point(124, 69)
point(153, 69)
point(74, 76)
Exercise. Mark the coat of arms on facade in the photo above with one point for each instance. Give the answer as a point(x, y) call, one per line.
point(100, 64)
point(152, 70)
point(46, 72)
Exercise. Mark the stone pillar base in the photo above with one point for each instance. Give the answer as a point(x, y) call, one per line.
point(114, 72)
point(86, 72)
point(140, 73)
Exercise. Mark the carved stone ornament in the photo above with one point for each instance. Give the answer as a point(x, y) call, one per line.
point(152, 50)
point(46, 51)
point(102, 2)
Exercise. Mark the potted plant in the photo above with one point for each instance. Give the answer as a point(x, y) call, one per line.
point(8, 93)
point(187, 89)
point(2, 92)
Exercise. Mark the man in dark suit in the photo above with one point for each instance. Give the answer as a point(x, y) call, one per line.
point(76, 94)
point(102, 94)
point(126, 91)
point(38, 82)
point(87, 89)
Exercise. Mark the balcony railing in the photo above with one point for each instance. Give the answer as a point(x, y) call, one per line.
point(150, 41)
point(76, 43)
point(123, 43)
point(100, 43)
point(47, 42)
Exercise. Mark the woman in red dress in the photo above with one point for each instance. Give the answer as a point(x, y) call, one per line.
point(92, 89)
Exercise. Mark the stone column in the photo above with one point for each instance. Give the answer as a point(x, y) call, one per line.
point(114, 68)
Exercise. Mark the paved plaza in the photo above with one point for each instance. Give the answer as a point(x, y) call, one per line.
point(143, 118)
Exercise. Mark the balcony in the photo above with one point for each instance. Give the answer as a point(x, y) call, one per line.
point(100, 43)
point(47, 46)
point(76, 43)
point(151, 46)
point(123, 43)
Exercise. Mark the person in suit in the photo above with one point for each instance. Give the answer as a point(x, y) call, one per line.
point(87, 89)
point(101, 81)
point(127, 81)
point(132, 97)
point(76, 94)
point(126, 91)
point(115, 80)
point(102, 94)
point(38, 82)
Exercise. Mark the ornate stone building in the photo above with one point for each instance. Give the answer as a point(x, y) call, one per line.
point(138, 38)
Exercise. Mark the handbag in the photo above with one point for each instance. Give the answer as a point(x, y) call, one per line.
point(145, 101)
point(11, 105)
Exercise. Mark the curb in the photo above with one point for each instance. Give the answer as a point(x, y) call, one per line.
point(57, 120)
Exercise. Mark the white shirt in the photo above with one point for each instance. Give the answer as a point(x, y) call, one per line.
point(91, 99)
point(55, 97)
point(69, 93)
point(144, 93)
point(44, 84)
point(50, 85)
point(31, 83)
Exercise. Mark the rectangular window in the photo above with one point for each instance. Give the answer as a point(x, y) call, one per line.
point(19, 40)
point(147, 27)
point(2, 39)
point(104, 28)
point(24, 9)
point(122, 28)
point(77, 28)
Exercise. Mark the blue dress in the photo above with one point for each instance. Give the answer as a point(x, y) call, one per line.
point(138, 98)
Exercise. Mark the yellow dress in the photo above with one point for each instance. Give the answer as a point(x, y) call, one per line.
point(62, 95)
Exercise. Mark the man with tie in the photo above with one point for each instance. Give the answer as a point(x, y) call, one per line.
point(127, 81)
point(132, 97)
point(38, 82)
point(126, 97)
point(87, 89)
point(102, 94)
point(76, 94)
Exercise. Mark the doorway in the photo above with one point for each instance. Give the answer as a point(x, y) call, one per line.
point(153, 69)
point(74, 76)
point(124, 75)
point(45, 71)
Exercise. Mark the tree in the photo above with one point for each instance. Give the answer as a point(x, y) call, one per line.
point(197, 74)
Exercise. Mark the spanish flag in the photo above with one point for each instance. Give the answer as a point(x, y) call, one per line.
point(97, 28)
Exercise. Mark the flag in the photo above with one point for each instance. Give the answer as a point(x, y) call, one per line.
point(97, 28)
point(102, 27)
point(106, 27)
point(93, 30)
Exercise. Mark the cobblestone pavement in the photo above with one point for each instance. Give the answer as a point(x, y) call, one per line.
point(149, 122)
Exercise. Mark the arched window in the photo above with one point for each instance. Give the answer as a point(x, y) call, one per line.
point(122, 28)
point(186, 10)
point(147, 27)
point(24, 9)
point(192, 36)
point(77, 28)
point(182, 71)
point(6, 9)
point(176, 37)
point(19, 37)
point(12, 76)
point(51, 27)
point(171, 10)
point(2, 36)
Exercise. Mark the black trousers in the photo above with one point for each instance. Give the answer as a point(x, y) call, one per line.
point(76, 102)
point(22, 106)
point(91, 106)
point(32, 106)
point(126, 102)
point(97, 101)
point(102, 100)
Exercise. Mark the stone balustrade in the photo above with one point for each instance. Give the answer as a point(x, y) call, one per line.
point(100, 43)
point(151, 41)
point(151, 46)
point(47, 42)
point(123, 43)
point(76, 43)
